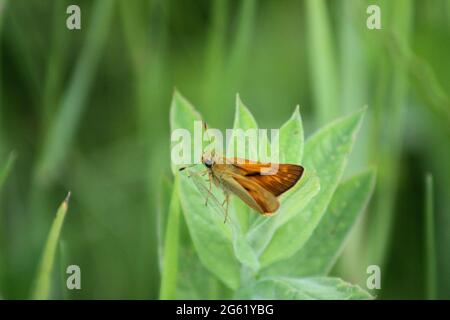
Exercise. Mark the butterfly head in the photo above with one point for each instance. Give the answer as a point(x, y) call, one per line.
point(208, 159)
point(208, 162)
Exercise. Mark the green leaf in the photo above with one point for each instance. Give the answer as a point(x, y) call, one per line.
point(171, 244)
point(183, 116)
point(292, 139)
point(326, 153)
point(195, 282)
point(42, 288)
point(292, 203)
point(243, 119)
point(204, 222)
point(212, 237)
point(291, 150)
point(244, 252)
point(321, 251)
point(317, 288)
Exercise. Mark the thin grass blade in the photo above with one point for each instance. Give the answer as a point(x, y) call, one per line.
point(43, 277)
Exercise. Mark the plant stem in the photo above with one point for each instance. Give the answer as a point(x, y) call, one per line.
point(171, 243)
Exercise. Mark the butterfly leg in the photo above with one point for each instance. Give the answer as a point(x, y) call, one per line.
point(225, 202)
point(210, 188)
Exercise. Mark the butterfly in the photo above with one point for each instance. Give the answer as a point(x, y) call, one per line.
point(251, 181)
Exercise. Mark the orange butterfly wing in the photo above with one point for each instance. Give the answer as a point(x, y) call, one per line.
point(262, 200)
point(285, 177)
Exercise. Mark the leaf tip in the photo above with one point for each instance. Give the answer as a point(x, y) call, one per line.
point(239, 104)
point(243, 117)
point(296, 114)
point(358, 117)
point(176, 95)
point(66, 200)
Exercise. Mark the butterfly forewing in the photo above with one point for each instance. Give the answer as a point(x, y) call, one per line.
point(282, 180)
point(257, 190)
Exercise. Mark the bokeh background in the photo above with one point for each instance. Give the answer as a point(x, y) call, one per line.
point(88, 111)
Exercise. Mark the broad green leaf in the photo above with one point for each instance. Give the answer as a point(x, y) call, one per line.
point(292, 203)
point(42, 284)
point(183, 116)
point(194, 280)
point(318, 255)
point(292, 139)
point(212, 237)
point(326, 153)
point(171, 245)
point(227, 235)
point(242, 250)
point(291, 150)
point(243, 119)
point(317, 288)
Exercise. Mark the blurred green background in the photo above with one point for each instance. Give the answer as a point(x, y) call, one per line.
point(88, 111)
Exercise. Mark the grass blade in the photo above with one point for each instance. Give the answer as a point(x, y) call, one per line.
point(241, 42)
point(391, 126)
point(431, 281)
point(214, 65)
point(61, 133)
point(42, 288)
point(321, 61)
point(4, 172)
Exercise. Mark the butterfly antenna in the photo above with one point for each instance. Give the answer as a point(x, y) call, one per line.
point(185, 167)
